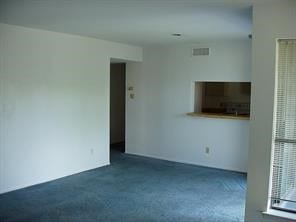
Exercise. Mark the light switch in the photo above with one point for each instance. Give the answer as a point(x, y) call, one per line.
point(132, 96)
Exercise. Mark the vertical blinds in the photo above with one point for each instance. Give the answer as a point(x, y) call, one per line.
point(283, 192)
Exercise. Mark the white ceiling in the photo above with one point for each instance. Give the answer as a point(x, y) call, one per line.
point(137, 22)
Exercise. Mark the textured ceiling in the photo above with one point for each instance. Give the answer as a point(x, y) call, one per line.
point(137, 22)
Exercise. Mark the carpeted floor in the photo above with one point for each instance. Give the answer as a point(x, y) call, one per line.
point(135, 189)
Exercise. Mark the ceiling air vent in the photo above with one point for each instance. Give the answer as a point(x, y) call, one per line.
point(201, 51)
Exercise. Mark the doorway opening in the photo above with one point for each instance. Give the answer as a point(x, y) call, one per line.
point(117, 106)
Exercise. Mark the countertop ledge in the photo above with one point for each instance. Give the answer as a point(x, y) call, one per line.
point(219, 116)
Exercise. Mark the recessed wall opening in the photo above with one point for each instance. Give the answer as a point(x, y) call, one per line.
point(223, 98)
point(117, 106)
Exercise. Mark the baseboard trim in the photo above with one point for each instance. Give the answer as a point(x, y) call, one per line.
point(184, 162)
point(5, 191)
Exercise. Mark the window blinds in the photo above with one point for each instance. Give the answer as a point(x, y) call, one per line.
point(283, 192)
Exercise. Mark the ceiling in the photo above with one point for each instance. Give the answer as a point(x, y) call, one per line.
point(137, 22)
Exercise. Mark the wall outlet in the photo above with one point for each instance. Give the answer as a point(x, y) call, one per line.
point(207, 150)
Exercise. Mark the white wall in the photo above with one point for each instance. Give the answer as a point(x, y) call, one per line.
point(157, 124)
point(54, 104)
point(271, 21)
point(117, 103)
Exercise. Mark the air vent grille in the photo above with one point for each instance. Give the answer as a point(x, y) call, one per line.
point(201, 51)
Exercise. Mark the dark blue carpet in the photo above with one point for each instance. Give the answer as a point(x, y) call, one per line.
point(135, 189)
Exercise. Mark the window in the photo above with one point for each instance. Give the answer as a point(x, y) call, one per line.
point(283, 190)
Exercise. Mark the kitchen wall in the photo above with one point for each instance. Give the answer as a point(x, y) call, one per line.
point(157, 124)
